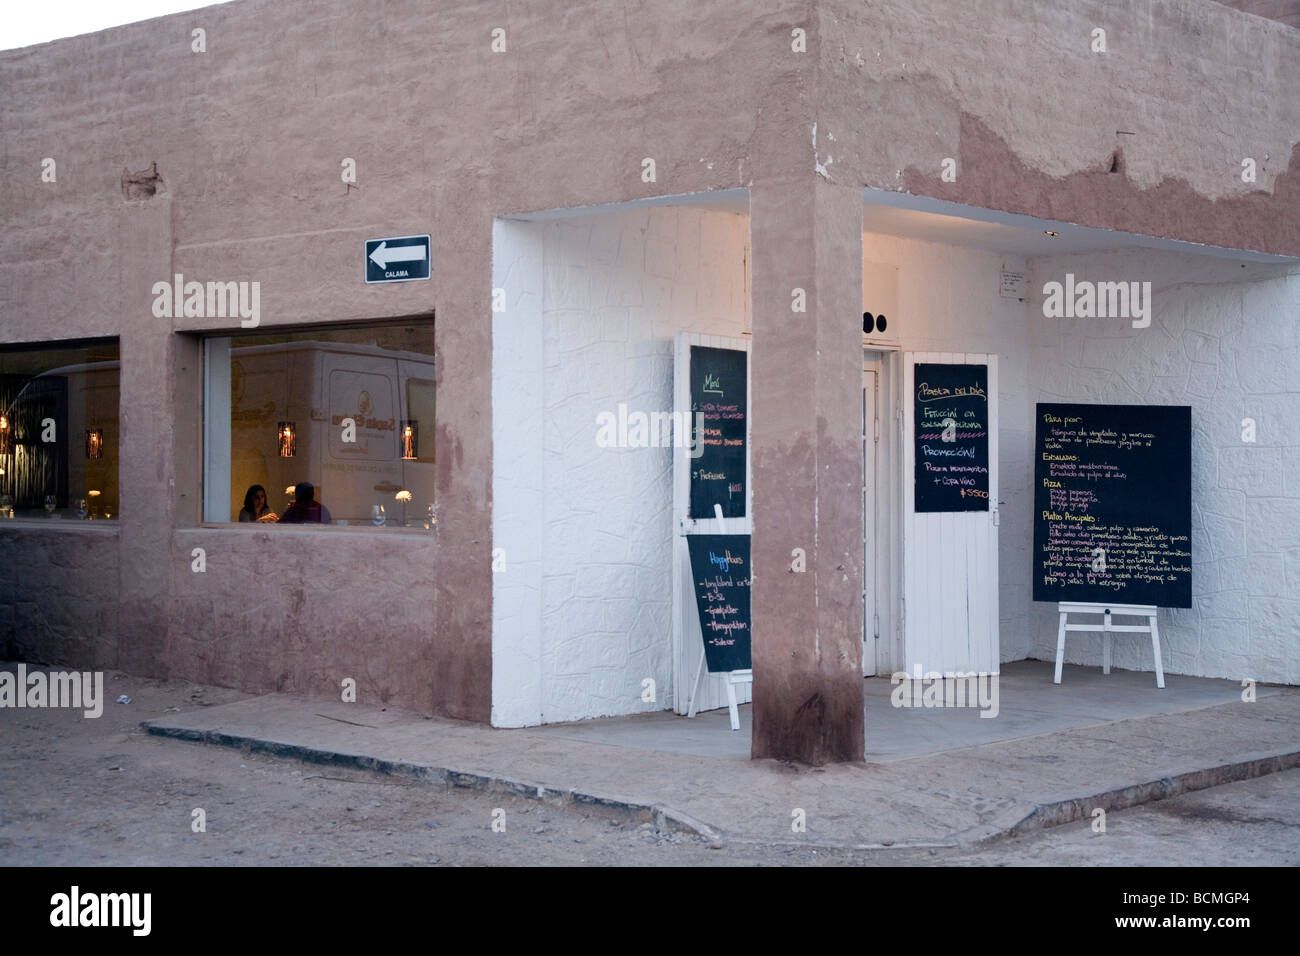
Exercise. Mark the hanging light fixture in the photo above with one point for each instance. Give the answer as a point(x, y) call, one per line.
point(287, 439)
point(94, 443)
point(410, 440)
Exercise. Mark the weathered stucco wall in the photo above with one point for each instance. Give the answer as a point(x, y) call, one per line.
point(1284, 11)
point(249, 138)
point(299, 611)
point(1147, 137)
point(59, 602)
point(447, 135)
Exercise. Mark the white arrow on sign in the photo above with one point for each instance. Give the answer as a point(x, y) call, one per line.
point(383, 255)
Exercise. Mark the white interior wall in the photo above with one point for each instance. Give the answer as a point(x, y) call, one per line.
point(948, 301)
point(583, 613)
point(1224, 339)
point(517, 489)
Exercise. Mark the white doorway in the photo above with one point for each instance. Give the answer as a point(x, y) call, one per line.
point(870, 484)
point(881, 514)
point(950, 556)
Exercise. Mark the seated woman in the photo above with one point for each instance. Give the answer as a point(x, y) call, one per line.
point(305, 508)
point(255, 507)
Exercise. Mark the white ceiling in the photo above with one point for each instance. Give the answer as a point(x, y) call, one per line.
point(937, 220)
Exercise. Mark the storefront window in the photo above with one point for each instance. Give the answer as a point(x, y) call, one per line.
point(324, 426)
point(59, 430)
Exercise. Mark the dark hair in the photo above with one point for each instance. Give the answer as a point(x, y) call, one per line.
point(304, 492)
point(248, 500)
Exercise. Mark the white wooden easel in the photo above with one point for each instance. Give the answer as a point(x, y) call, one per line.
point(732, 678)
point(1147, 611)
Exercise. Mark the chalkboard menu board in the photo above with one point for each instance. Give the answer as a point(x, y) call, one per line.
point(952, 438)
point(718, 392)
point(720, 574)
point(1112, 504)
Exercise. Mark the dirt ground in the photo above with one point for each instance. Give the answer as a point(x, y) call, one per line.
point(102, 792)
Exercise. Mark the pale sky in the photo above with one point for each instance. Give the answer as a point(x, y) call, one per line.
point(25, 22)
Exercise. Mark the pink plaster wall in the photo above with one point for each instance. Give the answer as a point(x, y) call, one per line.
point(1284, 11)
point(1036, 120)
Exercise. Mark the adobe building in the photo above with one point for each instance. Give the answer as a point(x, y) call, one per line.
point(603, 187)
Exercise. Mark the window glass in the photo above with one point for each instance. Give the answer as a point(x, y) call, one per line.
point(59, 430)
point(348, 411)
point(420, 404)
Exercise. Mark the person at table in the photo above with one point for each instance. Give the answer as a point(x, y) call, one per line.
point(305, 508)
point(255, 506)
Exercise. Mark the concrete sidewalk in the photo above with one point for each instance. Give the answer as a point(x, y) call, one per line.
point(934, 778)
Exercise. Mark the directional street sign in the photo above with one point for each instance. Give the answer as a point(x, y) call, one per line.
point(399, 259)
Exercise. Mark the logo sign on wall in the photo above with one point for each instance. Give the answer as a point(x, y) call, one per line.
point(367, 399)
point(397, 259)
point(952, 439)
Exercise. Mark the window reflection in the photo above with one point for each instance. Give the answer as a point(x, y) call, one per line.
point(59, 430)
point(347, 413)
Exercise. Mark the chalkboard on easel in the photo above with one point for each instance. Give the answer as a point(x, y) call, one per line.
point(1112, 504)
point(720, 579)
point(950, 424)
point(719, 393)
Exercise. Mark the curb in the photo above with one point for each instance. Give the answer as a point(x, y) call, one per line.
point(664, 818)
point(1014, 822)
point(1064, 810)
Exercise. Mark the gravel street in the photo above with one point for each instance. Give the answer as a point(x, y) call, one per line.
point(102, 792)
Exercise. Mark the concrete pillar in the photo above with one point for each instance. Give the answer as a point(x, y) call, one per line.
point(807, 470)
point(462, 629)
point(146, 459)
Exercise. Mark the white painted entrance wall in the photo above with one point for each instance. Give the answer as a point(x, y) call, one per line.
point(582, 613)
point(948, 301)
point(1224, 339)
point(1221, 340)
point(517, 472)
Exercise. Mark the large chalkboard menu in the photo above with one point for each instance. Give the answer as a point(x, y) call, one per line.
point(1112, 504)
point(720, 575)
point(951, 423)
point(718, 392)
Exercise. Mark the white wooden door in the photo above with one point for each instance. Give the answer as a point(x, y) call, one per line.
point(950, 559)
point(688, 642)
point(870, 532)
